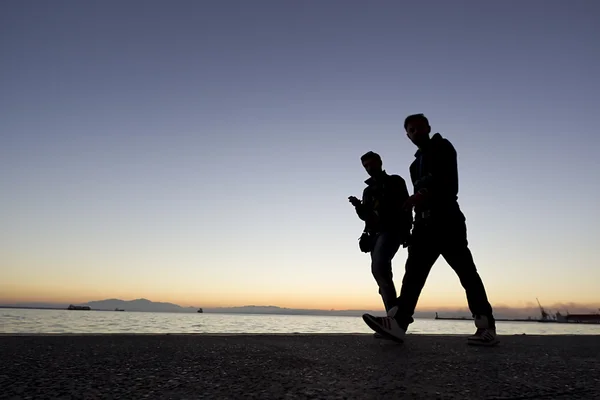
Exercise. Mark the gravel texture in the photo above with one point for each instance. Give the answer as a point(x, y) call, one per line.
point(296, 367)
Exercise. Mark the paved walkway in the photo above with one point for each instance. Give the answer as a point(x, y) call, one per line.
point(297, 367)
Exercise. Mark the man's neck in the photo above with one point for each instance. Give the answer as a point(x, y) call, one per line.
point(424, 144)
point(378, 176)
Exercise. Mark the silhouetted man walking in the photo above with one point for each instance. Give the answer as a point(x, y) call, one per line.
point(439, 229)
point(387, 222)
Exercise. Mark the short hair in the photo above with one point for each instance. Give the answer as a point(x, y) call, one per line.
point(370, 155)
point(415, 118)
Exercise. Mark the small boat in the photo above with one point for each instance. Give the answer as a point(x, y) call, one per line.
point(84, 308)
point(200, 311)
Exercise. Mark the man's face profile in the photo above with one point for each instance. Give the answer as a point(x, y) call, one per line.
point(372, 165)
point(417, 132)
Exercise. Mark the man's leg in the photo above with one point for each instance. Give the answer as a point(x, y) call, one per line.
point(385, 248)
point(422, 254)
point(457, 254)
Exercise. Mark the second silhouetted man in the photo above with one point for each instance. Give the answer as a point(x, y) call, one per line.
point(387, 223)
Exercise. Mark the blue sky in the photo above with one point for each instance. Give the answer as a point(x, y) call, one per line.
point(203, 152)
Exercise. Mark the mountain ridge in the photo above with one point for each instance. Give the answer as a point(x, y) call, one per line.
point(145, 305)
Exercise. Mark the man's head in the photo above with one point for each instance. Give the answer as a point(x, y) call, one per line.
point(372, 163)
point(417, 129)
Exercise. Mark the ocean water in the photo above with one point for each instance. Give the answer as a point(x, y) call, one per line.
point(64, 321)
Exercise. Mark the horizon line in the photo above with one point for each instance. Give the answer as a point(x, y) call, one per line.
point(595, 306)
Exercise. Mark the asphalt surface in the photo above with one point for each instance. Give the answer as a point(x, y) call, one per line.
point(296, 367)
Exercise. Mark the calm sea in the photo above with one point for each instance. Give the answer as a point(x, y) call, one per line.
point(63, 321)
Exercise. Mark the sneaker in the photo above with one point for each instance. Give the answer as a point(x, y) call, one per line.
point(379, 336)
point(484, 336)
point(387, 326)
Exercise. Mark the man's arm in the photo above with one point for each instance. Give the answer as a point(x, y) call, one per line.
point(401, 189)
point(365, 208)
point(442, 181)
point(401, 195)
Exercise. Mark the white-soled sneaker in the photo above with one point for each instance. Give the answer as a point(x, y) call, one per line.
point(484, 336)
point(386, 326)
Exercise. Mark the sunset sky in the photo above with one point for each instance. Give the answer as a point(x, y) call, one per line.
point(203, 152)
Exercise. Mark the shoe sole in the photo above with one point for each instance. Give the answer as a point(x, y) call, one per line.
point(483, 344)
point(371, 324)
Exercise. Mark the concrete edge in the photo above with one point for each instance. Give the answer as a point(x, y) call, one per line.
point(202, 334)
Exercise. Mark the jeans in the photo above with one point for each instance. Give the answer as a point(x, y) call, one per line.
point(448, 238)
point(384, 249)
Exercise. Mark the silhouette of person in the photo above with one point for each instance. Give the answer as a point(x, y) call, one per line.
point(439, 229)
point(387, 222)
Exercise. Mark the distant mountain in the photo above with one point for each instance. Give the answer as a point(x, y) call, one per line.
point(252, 309)
point(151, 306)
point(138, 305)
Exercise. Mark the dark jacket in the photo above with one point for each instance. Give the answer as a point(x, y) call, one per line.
point(435, 170)
point(381, 207)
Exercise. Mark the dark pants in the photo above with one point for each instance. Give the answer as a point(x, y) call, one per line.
point(448, 238)
point(385, 246)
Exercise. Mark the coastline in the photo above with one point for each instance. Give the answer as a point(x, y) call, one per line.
point(275, 366)
point(283, 334)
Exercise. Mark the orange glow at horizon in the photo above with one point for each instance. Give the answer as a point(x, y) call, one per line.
point(35, 293)
point(11, 294)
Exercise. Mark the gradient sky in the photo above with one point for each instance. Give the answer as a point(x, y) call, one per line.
point(203, 152)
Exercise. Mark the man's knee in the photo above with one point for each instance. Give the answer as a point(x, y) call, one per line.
point(416, 269)
point(422, 254)
point(461, 261)
point(381, 268)
point(414, 277)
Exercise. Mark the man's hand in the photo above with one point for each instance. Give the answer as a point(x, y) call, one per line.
point(407, 241)
point(354, 201)
point(413, 201)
